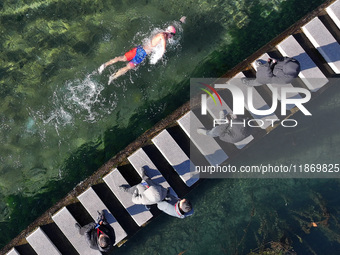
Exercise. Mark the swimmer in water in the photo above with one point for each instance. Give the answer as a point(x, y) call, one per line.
point(136, 55)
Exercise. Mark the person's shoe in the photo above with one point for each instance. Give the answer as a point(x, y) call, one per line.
point(124, 187)
point(77, 225)
point(202, 131)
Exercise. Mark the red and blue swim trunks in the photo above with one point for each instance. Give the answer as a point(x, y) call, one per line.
point(136, 55)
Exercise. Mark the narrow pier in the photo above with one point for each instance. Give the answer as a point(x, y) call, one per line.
point(314, 43)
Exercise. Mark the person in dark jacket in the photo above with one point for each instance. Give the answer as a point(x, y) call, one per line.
point(176, 207)
point(147, 192)
point(275, 71)
point(226, 132)
point(99, 236)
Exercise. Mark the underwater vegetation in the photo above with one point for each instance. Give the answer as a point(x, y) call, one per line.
point(60, 121)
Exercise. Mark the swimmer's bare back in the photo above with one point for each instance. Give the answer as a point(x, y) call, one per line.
point(159, 38)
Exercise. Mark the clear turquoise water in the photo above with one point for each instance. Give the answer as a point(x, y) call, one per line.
point(60, 121)
point(236, 216)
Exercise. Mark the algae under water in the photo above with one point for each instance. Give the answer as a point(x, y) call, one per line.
point(237, 216)
point(60, 121)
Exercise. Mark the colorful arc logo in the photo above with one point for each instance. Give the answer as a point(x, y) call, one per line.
point(204, 97)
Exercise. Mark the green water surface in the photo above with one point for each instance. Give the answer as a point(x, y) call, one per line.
point(60, 120)
point(236, 216)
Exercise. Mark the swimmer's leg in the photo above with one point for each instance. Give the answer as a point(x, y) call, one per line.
point(115, 60)
point(112, 61)
point(120, 72)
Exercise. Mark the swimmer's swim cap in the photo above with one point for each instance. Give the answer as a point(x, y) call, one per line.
point(171, 29)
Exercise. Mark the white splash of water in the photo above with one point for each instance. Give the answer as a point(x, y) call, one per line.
point(172, 43)
point(156, 54)
point(59, 115)
point(83, 96)
point(78, 99)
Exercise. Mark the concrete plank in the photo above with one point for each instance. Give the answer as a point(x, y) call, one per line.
point(214, 109)
point(139, 159)
point(258, 102)
point(310, 74)
point(66, 223)
point(205, 144)
point(239, 145)
point(278, 87)
point(92, 203)
point(13, 252)
point(334, 12)
point(139, 213)
point(41, 244)
point(176, 157)
point(184, 123)
point(324, 42)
